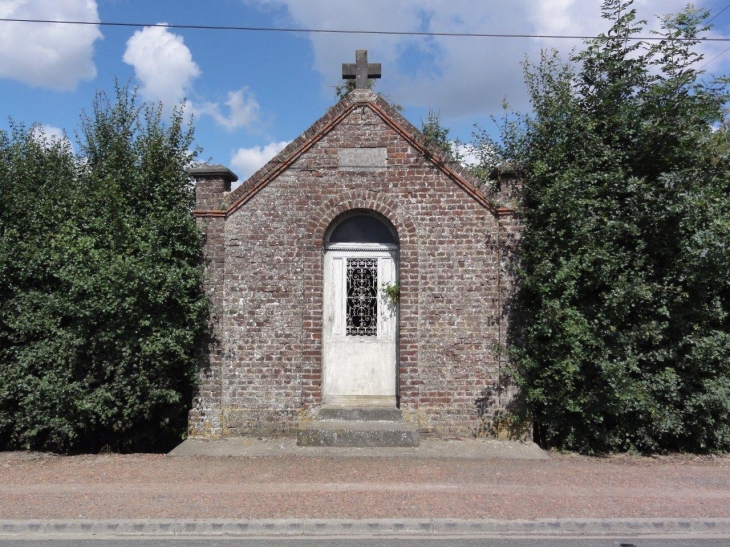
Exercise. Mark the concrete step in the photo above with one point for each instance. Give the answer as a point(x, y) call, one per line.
point(361, 414)
point(351, 433)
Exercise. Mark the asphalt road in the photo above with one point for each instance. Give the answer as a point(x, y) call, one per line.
point(374, 542)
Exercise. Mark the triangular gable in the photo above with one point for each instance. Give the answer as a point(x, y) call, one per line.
point(356, 99)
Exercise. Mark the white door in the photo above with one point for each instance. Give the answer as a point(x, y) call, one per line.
point(360, 331)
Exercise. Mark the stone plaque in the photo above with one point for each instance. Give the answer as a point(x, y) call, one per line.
point(362, 159)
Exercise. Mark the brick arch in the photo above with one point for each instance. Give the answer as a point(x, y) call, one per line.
point(342, 217)
point(338, 205)
point(318, 225)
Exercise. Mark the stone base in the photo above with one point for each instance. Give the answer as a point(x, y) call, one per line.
point(358, 427)
point(360, 414)
point(358, 434)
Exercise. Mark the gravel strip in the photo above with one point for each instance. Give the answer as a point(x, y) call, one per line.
point(144, 486)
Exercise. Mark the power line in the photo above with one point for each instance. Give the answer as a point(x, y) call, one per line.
point(718, 13)
point(715, 57)
point(374, 32)
point(724, 51)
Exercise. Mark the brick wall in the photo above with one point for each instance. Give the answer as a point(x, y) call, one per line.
point(263, 370)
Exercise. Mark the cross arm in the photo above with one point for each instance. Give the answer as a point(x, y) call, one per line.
point(349, 71)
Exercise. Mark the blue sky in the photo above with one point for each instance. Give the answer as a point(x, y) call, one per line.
point(252, 92)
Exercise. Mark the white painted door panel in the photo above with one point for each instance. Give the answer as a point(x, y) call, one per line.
point(358, 369)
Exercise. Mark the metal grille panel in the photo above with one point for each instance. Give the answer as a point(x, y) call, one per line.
point(362, 297)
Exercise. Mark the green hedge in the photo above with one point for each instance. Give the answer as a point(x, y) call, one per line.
point(101, 301)
point(622, 337)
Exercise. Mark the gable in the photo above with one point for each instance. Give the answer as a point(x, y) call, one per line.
point(360, 157)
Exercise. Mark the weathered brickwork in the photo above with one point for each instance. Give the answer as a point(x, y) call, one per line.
point(264, 249)
point(212, 185)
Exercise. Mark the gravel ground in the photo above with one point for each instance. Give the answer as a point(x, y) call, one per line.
point(42, 486)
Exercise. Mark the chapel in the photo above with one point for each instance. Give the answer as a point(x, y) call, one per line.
point(360, 286)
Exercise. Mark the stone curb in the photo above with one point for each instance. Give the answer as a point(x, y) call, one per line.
point(365, 527)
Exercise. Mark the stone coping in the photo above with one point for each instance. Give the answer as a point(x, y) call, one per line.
point(110, 528)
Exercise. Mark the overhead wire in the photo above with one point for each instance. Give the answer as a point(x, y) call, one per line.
point(718, 13)
point(714, 58)
point(724, 51)
point(349, 31)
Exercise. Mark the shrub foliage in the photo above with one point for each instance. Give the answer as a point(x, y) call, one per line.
point(622, 335)
point(101, 301)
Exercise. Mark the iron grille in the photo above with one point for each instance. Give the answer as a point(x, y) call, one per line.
point(362, 297)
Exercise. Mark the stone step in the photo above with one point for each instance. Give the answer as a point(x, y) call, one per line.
point(351, 433)
point(364, 414)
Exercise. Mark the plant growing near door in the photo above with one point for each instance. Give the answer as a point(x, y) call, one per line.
point(392, 291)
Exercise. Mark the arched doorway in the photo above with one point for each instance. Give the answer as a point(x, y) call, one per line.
point(360, 320)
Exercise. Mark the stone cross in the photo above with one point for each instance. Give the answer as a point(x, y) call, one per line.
point(361, 71)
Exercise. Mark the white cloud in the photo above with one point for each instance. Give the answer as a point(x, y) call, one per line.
point(48, 55)
point(165, 67)
point(162, 63)
point(243, 110)
point(52, 132)
point(469, 154)
point(49, 134)
point(246, 161)
point(458, 76)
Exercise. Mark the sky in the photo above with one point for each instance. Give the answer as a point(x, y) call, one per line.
point(250, 93)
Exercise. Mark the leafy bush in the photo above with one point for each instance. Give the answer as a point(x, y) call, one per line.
point(622, 333)
point(101, 301)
